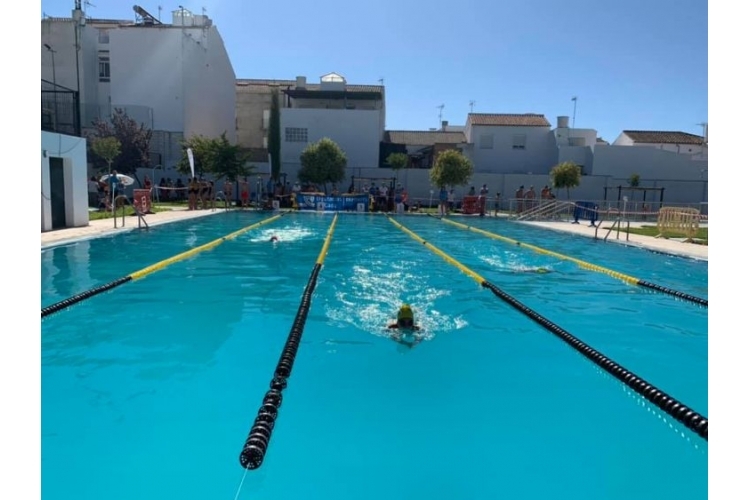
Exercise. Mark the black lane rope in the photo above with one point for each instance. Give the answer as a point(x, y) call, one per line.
point(63, 304)
point(586, 265)
point(256, 444)
point(679, 411)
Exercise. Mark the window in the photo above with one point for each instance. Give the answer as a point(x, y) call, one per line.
point(294, 134)
point(265, 143)
point(519, 142)
point(103, 66)
point(266, 118)
point(486, 141)
point(103, 36)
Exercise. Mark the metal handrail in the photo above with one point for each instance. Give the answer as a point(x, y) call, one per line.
point(141, 218)
point(545, 209)
point(617, 222)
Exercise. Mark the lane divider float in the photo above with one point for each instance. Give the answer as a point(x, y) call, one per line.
point(679, 411)
point(256, 444)
point(585, 265)
point(63, 304)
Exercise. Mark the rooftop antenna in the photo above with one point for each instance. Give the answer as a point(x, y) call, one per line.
point(471, 106)
point(381, 81)
point(575, 104)
point(440, 115)
point(705, 131)
point(86, 3)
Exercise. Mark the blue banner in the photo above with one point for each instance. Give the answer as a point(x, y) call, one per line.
point(332, 203)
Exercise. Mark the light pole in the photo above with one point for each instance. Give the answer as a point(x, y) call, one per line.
point(54, 83)
point(431, 193)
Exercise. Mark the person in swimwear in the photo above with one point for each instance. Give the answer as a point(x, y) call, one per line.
point(274, 238)
point(405, 328)
point(193, 190)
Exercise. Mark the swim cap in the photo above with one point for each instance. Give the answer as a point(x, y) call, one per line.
point(405, 312)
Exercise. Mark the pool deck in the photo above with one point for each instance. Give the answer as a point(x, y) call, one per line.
point(105, 227)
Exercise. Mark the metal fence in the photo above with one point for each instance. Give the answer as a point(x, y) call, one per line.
point(60, 109)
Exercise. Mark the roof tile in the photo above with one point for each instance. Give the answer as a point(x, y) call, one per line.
point(656, 137)
point(508, 120)
point(423, 137)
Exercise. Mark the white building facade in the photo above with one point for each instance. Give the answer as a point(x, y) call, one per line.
point(510, 143)
point(353, 116)
point(175, 78)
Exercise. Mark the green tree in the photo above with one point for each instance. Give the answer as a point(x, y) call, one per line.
point(229, 160)
point(451, 168)
point(106, 148)
point(203, 150)
point(215, 156)
point(322, 162)
point(635, 180)
point(134, 138)
point(565, 175)
point(397, 161)
point(274, 135)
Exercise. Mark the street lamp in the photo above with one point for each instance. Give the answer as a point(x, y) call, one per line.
point(54, 82)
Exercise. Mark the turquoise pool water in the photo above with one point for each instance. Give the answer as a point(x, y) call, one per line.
point(149, 390)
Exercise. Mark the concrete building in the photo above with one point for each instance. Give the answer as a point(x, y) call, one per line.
point(176, 78)
point(351, 115)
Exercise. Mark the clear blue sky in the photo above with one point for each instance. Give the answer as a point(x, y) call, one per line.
point(633, 65)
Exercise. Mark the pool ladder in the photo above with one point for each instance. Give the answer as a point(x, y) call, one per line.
point(126, 201)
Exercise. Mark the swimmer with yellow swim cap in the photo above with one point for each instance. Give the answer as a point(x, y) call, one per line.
point(405, 327)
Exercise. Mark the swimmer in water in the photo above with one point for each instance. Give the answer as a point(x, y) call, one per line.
point(405, 328)
point(274, 238)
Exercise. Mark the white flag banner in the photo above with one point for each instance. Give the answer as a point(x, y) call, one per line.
point(192, 162)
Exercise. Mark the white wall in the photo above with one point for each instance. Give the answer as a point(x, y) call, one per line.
point(539, 155)
point(60, 35)
point(649, 163)
point(691, 149)
point(357, 132)
point(73, 151)
point(184, 76)
point(210, 96)
point(563, 136)
point(580, 155)
point(146, 69)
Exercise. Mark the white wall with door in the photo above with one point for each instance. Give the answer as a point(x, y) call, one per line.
point(64, 184)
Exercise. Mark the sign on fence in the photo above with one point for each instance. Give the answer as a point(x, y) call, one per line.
point(142, 200)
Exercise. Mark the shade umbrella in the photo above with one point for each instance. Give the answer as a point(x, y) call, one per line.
point(125, 180)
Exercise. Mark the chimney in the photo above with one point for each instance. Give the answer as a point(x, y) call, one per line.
point(445, 125)
point(301, 82)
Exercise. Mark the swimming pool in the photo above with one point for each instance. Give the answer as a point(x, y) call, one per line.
point(149, 390)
